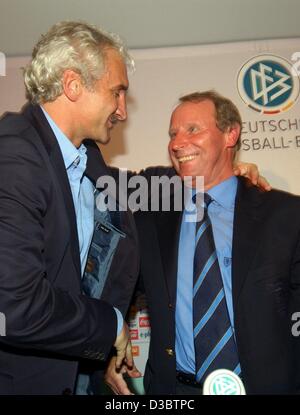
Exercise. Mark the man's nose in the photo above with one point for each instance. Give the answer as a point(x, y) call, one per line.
point(121, 111)
point(179, 141)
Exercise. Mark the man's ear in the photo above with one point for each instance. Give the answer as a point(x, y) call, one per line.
point(232, 135)
point(72, 85)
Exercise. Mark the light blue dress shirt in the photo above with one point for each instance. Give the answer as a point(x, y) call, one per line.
point(82, 189)
point(221, 213)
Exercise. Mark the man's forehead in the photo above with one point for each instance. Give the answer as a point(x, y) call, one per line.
point(117, 78)
point(113, 58)
point(193, 110)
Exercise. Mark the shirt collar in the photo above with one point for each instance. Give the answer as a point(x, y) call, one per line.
point(69, 152)
point(189, 192)
point(224, 193)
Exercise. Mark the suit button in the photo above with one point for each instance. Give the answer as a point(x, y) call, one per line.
point(170, 305)
point(170, 352)
point(67, 391)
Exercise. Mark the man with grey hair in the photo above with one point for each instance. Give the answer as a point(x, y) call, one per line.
point(76, 86)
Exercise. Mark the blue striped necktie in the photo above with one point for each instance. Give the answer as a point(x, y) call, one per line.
point(214, 341)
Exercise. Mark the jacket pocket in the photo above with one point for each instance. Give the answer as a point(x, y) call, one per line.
point(269, 271)
point(103, 246)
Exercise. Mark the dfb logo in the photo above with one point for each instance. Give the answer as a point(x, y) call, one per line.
point(267, 84)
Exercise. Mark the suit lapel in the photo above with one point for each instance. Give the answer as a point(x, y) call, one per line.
point(168, 228)
point(246, 234)
point(38, 120)
point(96, 166)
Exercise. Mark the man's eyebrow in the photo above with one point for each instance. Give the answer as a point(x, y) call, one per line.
point(121, 87)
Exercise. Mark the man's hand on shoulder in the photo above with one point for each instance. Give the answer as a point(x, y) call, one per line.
point(251, 172)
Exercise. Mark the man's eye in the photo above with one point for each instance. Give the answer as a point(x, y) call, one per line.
point(193, 129)
point(116, 94)
point(172, 135)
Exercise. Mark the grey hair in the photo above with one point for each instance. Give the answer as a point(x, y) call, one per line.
point(69, 45)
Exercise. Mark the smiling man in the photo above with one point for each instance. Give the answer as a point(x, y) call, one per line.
point(203, 146)
point(76, 86)
point(222, 292)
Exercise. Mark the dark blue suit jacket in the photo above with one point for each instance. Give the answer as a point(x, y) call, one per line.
point(265, 290)
point(50, 325)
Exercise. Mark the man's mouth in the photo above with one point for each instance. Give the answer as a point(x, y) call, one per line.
point(184, 159)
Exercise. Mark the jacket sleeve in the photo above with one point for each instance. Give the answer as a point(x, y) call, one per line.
point(37, 314)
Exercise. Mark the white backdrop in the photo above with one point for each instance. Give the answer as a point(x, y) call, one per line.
point(162, 76)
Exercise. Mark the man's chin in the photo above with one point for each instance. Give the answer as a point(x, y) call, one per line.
point(103, 139)
point(185, 172)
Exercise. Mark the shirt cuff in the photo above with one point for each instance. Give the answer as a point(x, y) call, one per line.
point(120, 320)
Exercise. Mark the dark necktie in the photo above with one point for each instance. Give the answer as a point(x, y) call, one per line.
point(214, 341)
